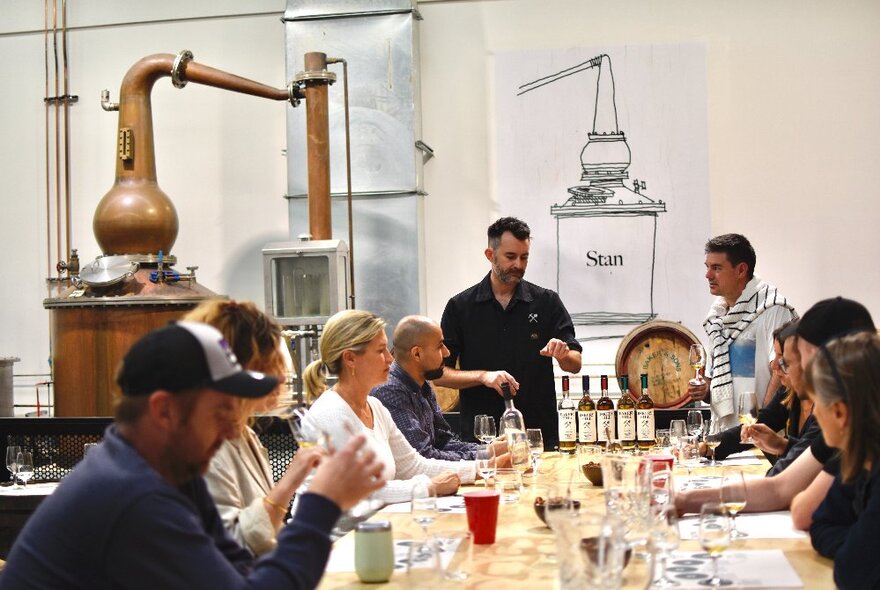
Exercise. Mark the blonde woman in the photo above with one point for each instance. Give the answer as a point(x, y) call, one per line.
point(354, 347)
point(239, 478)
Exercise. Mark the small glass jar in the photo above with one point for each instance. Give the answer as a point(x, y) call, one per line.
point(374, 551)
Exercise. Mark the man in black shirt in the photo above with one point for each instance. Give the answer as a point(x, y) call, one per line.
point(507, 330)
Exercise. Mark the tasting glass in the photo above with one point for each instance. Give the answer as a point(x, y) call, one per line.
point(733, 497)
point(12, 452)
point(536, 447)
point(508, 482)
point(25, 465)
point(484, 428)
point(486, 463)
point(677, 429)
point(697, 359)
point(712, 437)
point(694, 422)
point(690, 453)
point(424, 507)
point(664, 540)
point(714, 538)
point(747, 410)
point(518, 448)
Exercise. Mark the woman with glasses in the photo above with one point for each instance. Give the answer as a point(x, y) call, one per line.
point(844, 380)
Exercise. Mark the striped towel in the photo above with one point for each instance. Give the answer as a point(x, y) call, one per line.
point(724, 325)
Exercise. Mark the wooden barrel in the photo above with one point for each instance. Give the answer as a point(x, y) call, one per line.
point(660, 349)
point(447, 398)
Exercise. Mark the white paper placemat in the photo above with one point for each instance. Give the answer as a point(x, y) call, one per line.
point(744, 569)
point(760, 525)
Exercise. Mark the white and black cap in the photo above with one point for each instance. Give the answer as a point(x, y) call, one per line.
point(187, 355)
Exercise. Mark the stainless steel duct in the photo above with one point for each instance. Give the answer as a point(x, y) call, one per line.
point(379, 40)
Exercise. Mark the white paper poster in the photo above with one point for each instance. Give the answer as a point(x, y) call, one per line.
point(603, 152)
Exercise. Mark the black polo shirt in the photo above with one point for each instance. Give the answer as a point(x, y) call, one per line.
point(481, 335)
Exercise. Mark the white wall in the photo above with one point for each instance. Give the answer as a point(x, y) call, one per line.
point(793, 134)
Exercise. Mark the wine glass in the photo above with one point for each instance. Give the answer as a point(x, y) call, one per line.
point(664, 540)
point(11, 457)
point(677, 430)
point(747, 410)
point(734, 497)
point(662, 487)
point(697, 359)
point(712, 437)
point(536, 446)
point(694, 422)
point(484, 428)
point(486, 463)
point(714, 538)
point(306, 433)
point(690, 453)
point(518, 447)
point(424, 507)
point(25, 464)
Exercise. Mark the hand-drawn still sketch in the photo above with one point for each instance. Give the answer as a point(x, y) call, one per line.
point(610, 169)
point(605, 160)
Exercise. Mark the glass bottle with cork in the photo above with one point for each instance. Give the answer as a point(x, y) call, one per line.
point(626, 416)
point(586, 415)
point(605, 430)
point(645, 417)
point(566, 414)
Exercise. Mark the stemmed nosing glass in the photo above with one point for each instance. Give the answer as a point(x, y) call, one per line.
point(424, 508)
point(486, 463)
point(733, 497)
point(664, 540)
point(697, 359)
point(12, 452)
point(484, 428)
point(712, 437)
point(694, 422)
point(747, 410)
point(536, 446)
point(714, 538)
point(25, 466)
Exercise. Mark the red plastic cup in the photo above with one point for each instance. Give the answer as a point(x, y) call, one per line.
point(661, 461)
point(482, 515)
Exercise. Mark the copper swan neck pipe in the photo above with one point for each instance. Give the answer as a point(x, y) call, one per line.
point(136, 216)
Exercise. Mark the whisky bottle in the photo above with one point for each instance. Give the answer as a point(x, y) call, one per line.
point(586, 414)
point(567, 420)
point(605, 414)
point(511, 419)
point(626, 416)
point(645, 417)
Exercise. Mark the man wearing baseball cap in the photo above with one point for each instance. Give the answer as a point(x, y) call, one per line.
point(136, 512)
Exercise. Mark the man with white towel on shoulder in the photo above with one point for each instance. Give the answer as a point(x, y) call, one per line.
point(740, 326)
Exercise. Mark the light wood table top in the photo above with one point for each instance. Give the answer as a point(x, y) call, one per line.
point(524, 550)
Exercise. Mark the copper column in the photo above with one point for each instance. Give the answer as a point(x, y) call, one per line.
point(316, 80)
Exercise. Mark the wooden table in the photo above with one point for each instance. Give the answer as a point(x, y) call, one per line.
point(524, 551)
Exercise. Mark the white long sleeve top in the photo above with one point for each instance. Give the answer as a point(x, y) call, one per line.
point(404, 466)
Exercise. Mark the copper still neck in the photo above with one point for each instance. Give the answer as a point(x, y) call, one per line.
point(136, 217)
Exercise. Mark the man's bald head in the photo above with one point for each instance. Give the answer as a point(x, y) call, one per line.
point(411, 331)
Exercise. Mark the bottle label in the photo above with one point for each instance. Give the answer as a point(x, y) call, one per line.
point(567, 426)
point(645, 424)
point(626, 427)
point(604, 425)
point(587, 427)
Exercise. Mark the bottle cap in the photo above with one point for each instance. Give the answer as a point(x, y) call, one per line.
point(644, 381)
point(505, 391)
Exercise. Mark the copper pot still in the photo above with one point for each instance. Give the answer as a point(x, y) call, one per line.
point(96, 319)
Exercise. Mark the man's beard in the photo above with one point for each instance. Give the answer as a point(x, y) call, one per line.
point(435, 373)
point(507, 276)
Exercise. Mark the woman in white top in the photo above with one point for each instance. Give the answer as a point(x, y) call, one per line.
point(239, 478)
point(354, 347)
